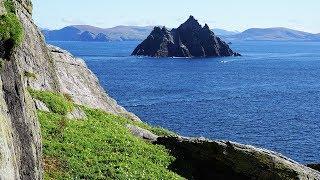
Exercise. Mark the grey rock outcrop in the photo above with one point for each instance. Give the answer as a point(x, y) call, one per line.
point(20, 132)
point(41, 106)
point(76, 80)
point(189, 40)
point(20, 138)
point(142, 133)
point(77, 114)
point(205, 159)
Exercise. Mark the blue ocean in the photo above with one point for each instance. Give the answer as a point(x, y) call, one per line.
point(269, 97)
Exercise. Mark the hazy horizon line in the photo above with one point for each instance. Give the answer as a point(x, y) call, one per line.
point(272, 27)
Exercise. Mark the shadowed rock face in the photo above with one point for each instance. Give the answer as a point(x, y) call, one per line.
point(314, 166)
point(205, 159)
point(189, 40)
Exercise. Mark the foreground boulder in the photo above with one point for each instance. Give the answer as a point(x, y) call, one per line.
point(205, 159)
point(189, 40)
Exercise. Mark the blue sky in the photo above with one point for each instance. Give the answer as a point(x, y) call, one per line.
point(227, 14)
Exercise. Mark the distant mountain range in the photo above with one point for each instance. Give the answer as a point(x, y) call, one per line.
point(222, 32)
point(137, 33)
point(91, 33)
point(274, 34)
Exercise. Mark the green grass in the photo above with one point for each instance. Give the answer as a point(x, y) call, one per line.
point(57, 103)
point(9, 6)
point(156, 130)
point(100, 147)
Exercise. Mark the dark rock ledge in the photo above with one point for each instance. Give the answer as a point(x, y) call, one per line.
point(200, 158)
point(206, 159)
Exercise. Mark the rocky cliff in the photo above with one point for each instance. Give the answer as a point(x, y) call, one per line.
point(77, 80)
point(189, 40)
point(30, 64)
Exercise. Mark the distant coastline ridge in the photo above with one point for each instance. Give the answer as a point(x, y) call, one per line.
point(190, 39)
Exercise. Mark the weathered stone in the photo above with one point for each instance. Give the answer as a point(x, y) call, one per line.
point(77, 80)
point(314, 166)
point(22, 148)
point(189, 40)
point(20, 138)
point(8, 164)
point(77, 114)
point(205, 159)
point(41, 106)
point(142, 133)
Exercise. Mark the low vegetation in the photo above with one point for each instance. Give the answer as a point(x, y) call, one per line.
point(9, 6)
point(57, 103)
point(99, 147)
point(11, 30)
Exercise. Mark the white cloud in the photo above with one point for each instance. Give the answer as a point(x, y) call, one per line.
point(71, 21)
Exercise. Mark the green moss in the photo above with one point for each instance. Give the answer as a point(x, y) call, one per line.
point(57, 103)
point(9, 6)
point(11, 30)
point(30, 74)
point(100, 147)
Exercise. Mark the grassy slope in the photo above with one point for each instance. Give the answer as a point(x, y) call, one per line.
point(99, 147)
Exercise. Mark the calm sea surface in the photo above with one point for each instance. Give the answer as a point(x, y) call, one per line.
point(269, 98)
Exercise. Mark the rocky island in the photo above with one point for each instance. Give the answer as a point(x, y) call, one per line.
point(190, 39)
point(57, 122)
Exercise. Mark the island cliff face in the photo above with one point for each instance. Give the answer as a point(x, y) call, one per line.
point(35, 65)
point(189, 40)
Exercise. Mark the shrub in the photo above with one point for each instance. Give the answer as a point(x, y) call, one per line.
point(9, 6)
point(11, 30)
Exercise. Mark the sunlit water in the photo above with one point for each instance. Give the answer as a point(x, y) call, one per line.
point(269, 98)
